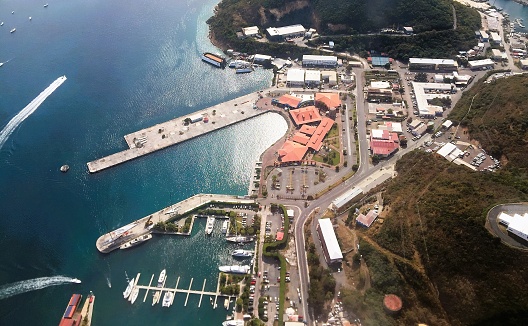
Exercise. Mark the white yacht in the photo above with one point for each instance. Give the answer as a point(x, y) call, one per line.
point(167, 299)
point(76, 280)
point(210, 225)
point(235, 269)
point(128, 289)
point(225, 226)
point(161, 278)
point(133, 295)
point(234, 322)
point(137, 241)
point(242, 253)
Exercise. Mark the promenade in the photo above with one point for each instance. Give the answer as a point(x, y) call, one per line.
point(114, 239)
point(176, 131)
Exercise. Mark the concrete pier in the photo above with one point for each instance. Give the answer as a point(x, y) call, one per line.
point(114, 239)
point(175, 131)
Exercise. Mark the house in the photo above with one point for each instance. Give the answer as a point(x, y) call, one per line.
point(292, 152)
point(330, 99)
point(250, 31)
point(289, 101)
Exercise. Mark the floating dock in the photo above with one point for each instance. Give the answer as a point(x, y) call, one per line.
point(180, 129)
point(114, 239)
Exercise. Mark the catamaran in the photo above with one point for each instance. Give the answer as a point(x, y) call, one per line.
point(167, 299)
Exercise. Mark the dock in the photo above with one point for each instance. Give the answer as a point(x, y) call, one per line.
point(181, 129)
point(158, 291)
point(114, 239)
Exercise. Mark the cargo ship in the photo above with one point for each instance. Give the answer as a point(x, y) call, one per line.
point(71, 316)
point(214, 59)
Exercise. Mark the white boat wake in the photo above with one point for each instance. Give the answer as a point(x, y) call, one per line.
point(12, 289)
point(28, 110)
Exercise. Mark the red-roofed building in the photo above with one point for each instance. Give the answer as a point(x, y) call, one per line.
point(322, 129)
point(290, 101)
point(305, 115)
point(280, 236)
point(300, 138)
point(330, 99)
point(383, 147)
point(367, 220)
point(306, 129)
point(292, 152)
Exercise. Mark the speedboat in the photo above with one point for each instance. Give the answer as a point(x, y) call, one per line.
point(1, 64)
point(76, 280)
point(235, 269)
point(225, 226)
point(128, 290)
point(13, 30)
point(167, 299)
point(239, 239)
point(133, 295)
point(1, 23)
point(46, 5)
point(234, 322)
point(242, 253)
point(136, 241)
point(161, 278)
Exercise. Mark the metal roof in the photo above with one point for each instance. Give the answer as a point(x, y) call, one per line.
point(330, 239)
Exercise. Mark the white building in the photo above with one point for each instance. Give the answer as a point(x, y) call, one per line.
point(428, 91)
point(481, 64)
point(432, 64)
point(250, 31)
point(295, 78)
point(447, 124)
point(196, 118)
point(484, 36)
point(517, 224)
point(380, 84)
point(312, 77)
point(260, 58)
point(450, 152)
point(342, 200)
point(319, 60)
point(495, 37)
point(331, 248)
point(279, 33)
point(329, 77)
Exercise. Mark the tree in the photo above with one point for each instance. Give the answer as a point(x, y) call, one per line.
point(239, 303)
point(421, 77)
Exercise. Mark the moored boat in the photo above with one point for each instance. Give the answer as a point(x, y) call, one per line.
point(244, 70)
point(136, 241)
point(129, 288)
point(214, 59)
point(239, 239)
point(234, 322)
point(225, 226)
point(167, 299)
point(242, 253)
point(133, 295)
point(210, 225)
point(161, 278)
point(235, 269)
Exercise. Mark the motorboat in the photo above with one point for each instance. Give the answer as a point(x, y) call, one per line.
point(161, 278)
point(235, 269)
point(76, 280)
point(225, 226)
point(136, 241)
point(13, 30)
point(210, 225)
point(29, 17)
point(128, 290)
point(167, 299)
point(1, 23)
point(239, 239)
point(133, 295)
point(46, 5)
point(242, 253)
point(234, 322)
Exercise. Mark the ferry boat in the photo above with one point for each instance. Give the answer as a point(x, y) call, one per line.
point(133, 295)
point(210, 225)
point(167, 299)
point(128, 289)
point(225, 226)
point(234, 322)
point(214, 59)
point(242, 253)
point(161, 278)
point(235, 269)
point(136, 241)
point(13, 30)
point(239, 239)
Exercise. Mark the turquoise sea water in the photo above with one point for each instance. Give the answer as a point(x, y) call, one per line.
point(129, 64)
point(515, 10)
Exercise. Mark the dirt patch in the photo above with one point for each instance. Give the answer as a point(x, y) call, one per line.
point(289, 8)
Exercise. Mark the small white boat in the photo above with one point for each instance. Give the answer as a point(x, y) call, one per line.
point(1, 23)
point(1, 64)
point(12, 12)
point(167, 299)
point(161, 278)
point(29, 17)
point(235, 269)
point(128, 290)
point(13, 30)
point(46, 5)
point(76, 280)
point(225, 226)
point(155, 297)
point(235, 322)
point(210, 225)
point(133, 295)
point(242, 253)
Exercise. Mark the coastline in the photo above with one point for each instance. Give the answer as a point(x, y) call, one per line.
point(522, 2)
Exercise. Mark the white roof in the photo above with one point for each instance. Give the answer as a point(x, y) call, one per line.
point(286, 30)
point(484, 34)
point(432, 61)
point(524, 62)
point(446, 149)
point(421, 97)
point(330, 239)
point(447, 124)
point(377, 133)
point(289, 212)
point(262, 57)
point(252, 30)
point(320, 58)
point(346, 197)
point(295, 75)
point(517, 224)
point(495, 36)
point(481, 63)
point(396, 127)
point(380, 84)
point(313, 75)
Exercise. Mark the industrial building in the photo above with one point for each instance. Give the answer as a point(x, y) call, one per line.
point(329, 77)
point(432, 64)
point(261, 58)
point(250, 31)
point(312, 78)
point(484, 37)
point(281, 33)
point(342, 200)
point(331, 249)
point(517, 225)
point(428, 91)
point(295, 78)
point(319, 61)
point(481, 64)
point(495, 38)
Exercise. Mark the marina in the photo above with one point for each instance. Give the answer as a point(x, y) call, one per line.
point(181, 129)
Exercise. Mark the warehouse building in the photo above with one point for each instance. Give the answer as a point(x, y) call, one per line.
point(432, 64)
point(517, 225)
point(312, 78)
point(484, 64)
point(250, 31)
point(345, 198)
point(281, 33)
point(295, 78)
point(319, 61)
point(329, 77)
point(495, 38)
point(331, 248)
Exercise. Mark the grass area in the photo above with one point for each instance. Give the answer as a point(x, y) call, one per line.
point(332, 157)
point(334, 132)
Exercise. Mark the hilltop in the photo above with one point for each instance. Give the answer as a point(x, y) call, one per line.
point(433, 248)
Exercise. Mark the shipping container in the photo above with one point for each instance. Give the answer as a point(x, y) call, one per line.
point(74, 300)
point(69, 312)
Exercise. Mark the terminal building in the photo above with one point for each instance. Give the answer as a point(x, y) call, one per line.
point(517, 225)
point(432, 64)
point(331, 249)
point(319, 61)
point(281, 33)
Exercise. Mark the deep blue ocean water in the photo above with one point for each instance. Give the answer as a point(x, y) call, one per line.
point(129, 64)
